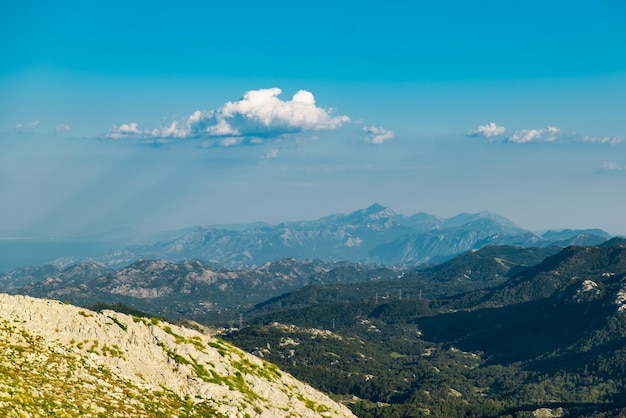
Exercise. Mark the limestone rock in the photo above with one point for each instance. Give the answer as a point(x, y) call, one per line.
point(58, 359)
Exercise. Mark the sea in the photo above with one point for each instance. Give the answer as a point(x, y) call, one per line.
point(15, 253)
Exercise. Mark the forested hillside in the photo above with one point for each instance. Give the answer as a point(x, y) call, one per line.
point(549, 340)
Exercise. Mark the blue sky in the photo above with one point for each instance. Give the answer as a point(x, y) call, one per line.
point(160, 115)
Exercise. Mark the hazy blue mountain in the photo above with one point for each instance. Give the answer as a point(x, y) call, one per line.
point(568, 234)
point(26, 275)
point(489, 219)
point(84, 270)
point(454, 236)
point(614, 242)
point(525, 239)
point(423, 222)
point(332, 238)
point(375, 234)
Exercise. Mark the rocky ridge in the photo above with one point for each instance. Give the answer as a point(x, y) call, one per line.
point(61, 360)
point(190, 289)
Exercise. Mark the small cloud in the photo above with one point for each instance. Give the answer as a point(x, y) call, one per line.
point(303, 140)
point(230, 142)
point(611, 166)
point(62, 127)
point(271, 154)
point(125, 130)
point(611, 140)
point(547, 134)
point(376, 135)
point(128, 128)
point(487, 131)
point(29, 125)
point(259, 114)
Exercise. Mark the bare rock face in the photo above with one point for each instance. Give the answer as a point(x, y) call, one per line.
point(57, 359)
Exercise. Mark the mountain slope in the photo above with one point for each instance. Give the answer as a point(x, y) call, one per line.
point(62, 361)
point(189, 289)
point(455, 235)
point(572, 302)
point(84, 270)
point(469, 271)
point(332, 238)
point(549, 340)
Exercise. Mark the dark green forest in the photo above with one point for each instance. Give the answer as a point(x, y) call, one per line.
point(547, 340)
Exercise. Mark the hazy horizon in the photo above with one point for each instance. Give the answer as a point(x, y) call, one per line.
point(153, 117)
point(16, 252)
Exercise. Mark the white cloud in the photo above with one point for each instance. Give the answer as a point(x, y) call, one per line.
point(125, 130)
point(230, 142)
point(547, 134)
point(611, 166)
point(29, 125)
point(611, 140)
point(221, 128)
point(260, 113)
point(62, 127)
point(377, 135)
point(271, 154)
point(487, 131)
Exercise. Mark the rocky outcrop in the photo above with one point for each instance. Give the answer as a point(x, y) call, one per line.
point(62, 360)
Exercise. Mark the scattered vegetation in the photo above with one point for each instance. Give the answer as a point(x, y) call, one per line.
point(39, 380)
point(118, 323)
point(118, 307)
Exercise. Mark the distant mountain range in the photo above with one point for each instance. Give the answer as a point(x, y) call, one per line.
point(214, 294)
point(375, 235)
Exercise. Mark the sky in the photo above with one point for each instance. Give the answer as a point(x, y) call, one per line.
point(152, 116)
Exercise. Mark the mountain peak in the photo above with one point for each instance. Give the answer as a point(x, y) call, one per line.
point(376, 207)
point(375, 211)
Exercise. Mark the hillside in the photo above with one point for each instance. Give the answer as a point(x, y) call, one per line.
point(190, 289)
point(473, 270)
point(549, 340)
point(209, 293)
point(60, 360)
